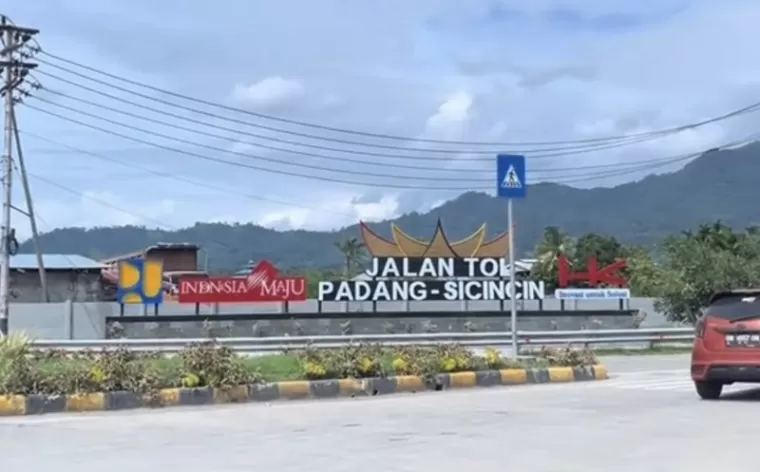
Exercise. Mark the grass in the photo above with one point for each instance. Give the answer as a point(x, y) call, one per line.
point(275, 368)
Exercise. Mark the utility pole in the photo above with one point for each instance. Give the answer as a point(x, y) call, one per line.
point(30, 211)
point(15, 70)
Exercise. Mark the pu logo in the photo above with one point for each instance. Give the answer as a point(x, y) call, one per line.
point(140, 282)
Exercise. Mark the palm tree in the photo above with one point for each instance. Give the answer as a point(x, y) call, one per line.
point(353, 255)
point(554, 244)
point(718, 236)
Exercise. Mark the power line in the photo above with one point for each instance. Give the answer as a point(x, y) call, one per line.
point(571, 145)
point(747, 109)
point(625, 168)
point(635, 165)
point(308, 154)
point(196, 183)
point(534, 155)
point(237, 164)
point(299, 164)
point(158, 223)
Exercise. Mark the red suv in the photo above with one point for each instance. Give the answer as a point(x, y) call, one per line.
point(727, 343)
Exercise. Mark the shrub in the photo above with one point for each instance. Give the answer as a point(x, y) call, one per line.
point(209, 364)
point(27, 371)
point(352, 361)
point(455, 358)
point(191, 381)
point(400, 366)
point(314, 370)
point(567, 356)
point(493, 358)
point(16, 372)
point(367, 360)
point(124, 370)
point(57, 372)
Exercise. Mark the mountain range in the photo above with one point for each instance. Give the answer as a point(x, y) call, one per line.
point(718, 185)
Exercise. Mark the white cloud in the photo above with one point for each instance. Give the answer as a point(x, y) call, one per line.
point(332, 212)
point(268, 91)
point(451, 116)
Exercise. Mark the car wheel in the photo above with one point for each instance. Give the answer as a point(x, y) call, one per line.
point(709, 390)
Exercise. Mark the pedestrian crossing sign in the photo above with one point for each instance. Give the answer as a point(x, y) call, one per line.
point(510, 176)
point(511, 180)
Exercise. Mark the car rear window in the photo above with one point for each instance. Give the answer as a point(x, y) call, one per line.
point(731, 307)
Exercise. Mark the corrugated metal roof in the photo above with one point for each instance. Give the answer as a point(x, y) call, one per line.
point(247, 269)
point(157, 246)
point(55, 262)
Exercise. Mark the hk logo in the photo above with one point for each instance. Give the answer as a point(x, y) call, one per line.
point(608, 276)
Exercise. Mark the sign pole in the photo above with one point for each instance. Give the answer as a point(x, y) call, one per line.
point(512, 276)
point(510, 184)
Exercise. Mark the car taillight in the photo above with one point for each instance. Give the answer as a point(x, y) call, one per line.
point(699, 331)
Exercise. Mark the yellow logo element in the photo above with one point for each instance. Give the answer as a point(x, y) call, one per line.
point(140, 282)
point(403, 245)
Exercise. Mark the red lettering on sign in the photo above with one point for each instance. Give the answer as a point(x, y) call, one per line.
point(264, 284)
point(608, 276)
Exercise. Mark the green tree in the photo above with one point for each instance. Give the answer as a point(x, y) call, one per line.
point(353, 255)
point(605, 249)
point(555, 243)
point(698, 265)
point(718, 236)
point(645, 277)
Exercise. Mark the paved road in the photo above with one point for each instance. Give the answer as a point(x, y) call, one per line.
point(647, 419)
point(623, 364)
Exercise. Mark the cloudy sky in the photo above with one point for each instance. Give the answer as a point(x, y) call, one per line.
point(503, 72)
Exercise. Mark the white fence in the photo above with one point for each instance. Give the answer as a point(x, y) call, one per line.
point(526, 339)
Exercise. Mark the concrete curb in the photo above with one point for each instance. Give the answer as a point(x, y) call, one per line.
point(16, 405)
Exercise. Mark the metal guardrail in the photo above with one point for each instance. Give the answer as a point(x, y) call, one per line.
point(650, 336)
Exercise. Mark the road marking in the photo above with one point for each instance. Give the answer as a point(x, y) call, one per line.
point(651, 372)
point(650, 384)
point(655, 381)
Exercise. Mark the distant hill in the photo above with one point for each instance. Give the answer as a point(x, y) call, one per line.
point(722, 185)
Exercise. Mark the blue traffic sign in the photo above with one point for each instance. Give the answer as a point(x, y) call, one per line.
point(510, 176)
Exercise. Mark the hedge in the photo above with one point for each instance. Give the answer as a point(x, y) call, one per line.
point(24, 370)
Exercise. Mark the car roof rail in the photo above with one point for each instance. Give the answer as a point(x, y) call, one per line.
point(733, 293)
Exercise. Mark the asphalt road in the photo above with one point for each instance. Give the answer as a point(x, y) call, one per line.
point(646, 419)
point(634, 363)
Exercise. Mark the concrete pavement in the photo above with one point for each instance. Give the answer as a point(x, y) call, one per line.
point(647, 418)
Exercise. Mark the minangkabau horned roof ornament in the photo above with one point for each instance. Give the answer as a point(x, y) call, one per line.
point(404, 245)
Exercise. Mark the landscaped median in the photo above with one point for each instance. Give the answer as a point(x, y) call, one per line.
point(35, 382)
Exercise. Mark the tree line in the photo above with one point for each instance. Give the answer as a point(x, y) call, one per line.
point(681, 273)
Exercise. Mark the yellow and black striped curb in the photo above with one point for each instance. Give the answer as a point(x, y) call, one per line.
point(14, 405)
